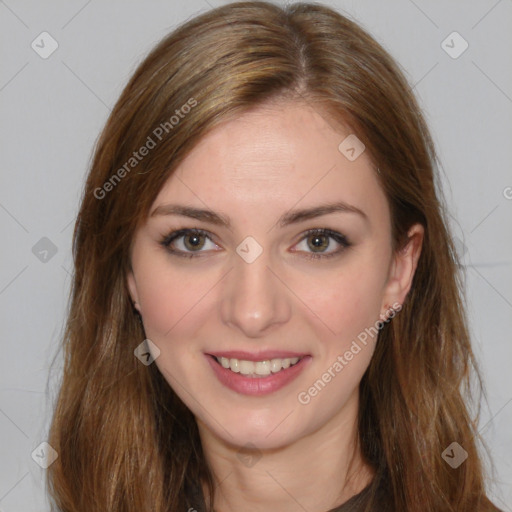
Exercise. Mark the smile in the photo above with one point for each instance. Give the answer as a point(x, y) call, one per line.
point(257, 368)
point(256, 377)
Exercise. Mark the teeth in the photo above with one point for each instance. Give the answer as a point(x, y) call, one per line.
point(257, 367)
point(263, 368)
point(275, 365)
point(246, 367)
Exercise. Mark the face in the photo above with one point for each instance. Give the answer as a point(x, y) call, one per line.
point(268, 245)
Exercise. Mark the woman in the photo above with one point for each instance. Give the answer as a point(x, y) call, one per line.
point(266, 312)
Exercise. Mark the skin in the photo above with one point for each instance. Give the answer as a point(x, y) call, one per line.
point(252, 170)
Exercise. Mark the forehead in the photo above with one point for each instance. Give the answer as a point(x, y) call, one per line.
point(271, 159)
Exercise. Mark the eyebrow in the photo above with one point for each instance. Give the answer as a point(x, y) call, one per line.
point(291, 217)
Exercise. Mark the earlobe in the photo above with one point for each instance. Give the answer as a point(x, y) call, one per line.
point(405, 262)
point(132, 287)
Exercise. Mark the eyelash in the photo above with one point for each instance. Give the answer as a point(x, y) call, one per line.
point(337, 237)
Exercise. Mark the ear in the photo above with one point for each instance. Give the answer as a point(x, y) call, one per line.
point(403, 268)
point(132, 287)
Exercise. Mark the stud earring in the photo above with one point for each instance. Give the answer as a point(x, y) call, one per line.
point(383, 314)
point(137, 313)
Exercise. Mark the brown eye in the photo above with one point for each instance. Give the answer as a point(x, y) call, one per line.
point(189, 243)
point(194, 241)
point(318, 243)
point(322, 243)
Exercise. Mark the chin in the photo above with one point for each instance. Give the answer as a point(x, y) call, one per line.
point(264, 430)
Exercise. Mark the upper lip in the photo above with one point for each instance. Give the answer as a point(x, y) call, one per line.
point(262, 355)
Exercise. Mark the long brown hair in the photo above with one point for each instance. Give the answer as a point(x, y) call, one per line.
point(125, 441)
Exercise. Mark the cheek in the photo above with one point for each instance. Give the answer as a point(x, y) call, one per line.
point(346, 301)
point(167, 296)
point(171, 305)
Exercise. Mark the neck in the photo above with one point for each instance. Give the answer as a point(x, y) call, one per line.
point(317, 472)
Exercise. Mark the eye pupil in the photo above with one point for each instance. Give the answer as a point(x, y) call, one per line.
point(319, 242)
point(194, 241)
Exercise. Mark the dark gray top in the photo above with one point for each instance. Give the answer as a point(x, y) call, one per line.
point(357, 503)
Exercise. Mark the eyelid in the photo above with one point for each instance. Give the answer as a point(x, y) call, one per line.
point(175, 235)
point(339, 238)
point(185, 231)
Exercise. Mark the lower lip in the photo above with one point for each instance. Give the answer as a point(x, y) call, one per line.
point(256, 386)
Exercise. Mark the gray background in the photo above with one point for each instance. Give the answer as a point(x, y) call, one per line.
point(53, 109)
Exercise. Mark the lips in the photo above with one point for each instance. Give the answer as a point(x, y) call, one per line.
point(263, 355)
point(260, 385)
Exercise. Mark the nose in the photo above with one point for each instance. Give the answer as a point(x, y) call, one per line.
point(255, 301)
